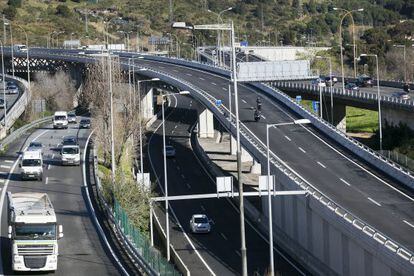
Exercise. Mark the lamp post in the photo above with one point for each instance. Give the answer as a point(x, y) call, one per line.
point(340, 40)
point(4, 86)
point(113, 169)
point(269, 196)
point(219, 20)
point(27, 54)
point(378, 97)
point(7, 22)
point(330, 82)
point(177, 45)
point(106, 24)
point(405, 63)
point(167, 223)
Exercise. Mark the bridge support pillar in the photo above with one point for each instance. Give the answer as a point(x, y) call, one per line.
point(395, 116)
point(147, 104)
point(245, 155)
point(339, 116)
point(206, 124)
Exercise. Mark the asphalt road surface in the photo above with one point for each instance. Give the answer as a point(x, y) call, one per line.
point(80, 250)
point(219, 251)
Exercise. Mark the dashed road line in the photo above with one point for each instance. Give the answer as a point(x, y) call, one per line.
point(202, 208)
point(9, 161)
point(48, 167)
point(224, 236)
point(175, 70)
point(408, 223)
point(213, 83)
point(345, 182)
point(302, 150)
point(373, 201)
point(188, 185)
point(322, 165)
point(178, 167)
point(5, 166)
point(47, 180)
point(182, 176)
point(263, 117)
point(175, 126)
point(224, 88)
point(244, 101)
point(287, 138)
point(238, 253)
point(188, 74)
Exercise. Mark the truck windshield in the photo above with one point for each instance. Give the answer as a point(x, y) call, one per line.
point(35, 232)
point(60, 118)
point(31, 162)
point(70, 151)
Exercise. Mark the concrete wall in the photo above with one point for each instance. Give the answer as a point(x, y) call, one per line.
point(339, 114)
point(396, 116)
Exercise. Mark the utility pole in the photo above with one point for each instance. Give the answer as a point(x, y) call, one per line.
point(171, 12)
point(86, 21)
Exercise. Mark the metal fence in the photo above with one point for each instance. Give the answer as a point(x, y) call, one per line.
point(399, 158)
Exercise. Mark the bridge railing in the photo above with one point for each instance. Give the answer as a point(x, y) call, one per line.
point(339, 92)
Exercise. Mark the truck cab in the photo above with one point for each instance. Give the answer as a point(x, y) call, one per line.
point(31, 166)
point(33, 231)
point(60, 119)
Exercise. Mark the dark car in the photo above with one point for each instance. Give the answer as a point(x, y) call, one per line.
point(328, 80)
point(365, 81)
point(70, 141)
point(85, 123)
point(350, 86)
point(12, 89)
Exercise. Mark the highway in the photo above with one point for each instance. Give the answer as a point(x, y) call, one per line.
point(340, 175)
point(219, 251)
point(80, 250)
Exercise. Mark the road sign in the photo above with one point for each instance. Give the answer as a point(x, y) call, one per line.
point(144, 179)
point(218, 103)
point(224, 184)
point(244, 43)
point(298, 99)
point(315, 106)
point(263, 182)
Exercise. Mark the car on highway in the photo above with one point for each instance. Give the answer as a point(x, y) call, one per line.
point(12, 89)
point(200, 223)
point(60, 119)
point(328, 80)
point(31, 166)
point(70, 155)
point(350, 86)
point(70, 141)
point(169, 151)
point(319, 82)
point(72, 118)
point(35, 146)
point(85, 123)
point(2, 103)
point(401, 95)
point(364, 81)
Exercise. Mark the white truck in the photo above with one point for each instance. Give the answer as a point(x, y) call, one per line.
point(60, 119)
point(31, 166)
point(70, 155)
point(33, 232)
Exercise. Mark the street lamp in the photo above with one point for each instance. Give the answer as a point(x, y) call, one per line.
point(405, 63)
point(340, 40)
point(269, 198)
point(167, 223)
point(331, 82)
point(106, 24)
point(219, 20)
point(378, 97)
point(4, 85)
point(177, 45)
point(27, 55)
point(7, 22)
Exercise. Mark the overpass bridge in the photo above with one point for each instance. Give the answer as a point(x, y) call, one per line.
point(359, 215)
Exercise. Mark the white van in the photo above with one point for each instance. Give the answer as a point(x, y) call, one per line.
point(60, 119)
point(70, 155)
point(32, 165)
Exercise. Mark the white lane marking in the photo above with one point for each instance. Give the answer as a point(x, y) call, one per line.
point(373, 201)
point(9, 161)
point(182, 176)
point(224, 236)
point(322, 165)
point(188, 74)
point(3, 193)
point(238, 253)
point(178, 168)
point(1, 180)
point(172, 210)
point(203, 208)
point(224, 88)
point(201, 79)
point(410, 224)
point(5, 166)
point(53, 156)
point(288, 140)
point(175, 70)
point(263, 116)
point(47, 180)
point(162, 67)
point(345, 182)
point(175, 126)
point(188, 185)
point(213, 83)
point(302, 150)
point(244, 101)
point(48, 167)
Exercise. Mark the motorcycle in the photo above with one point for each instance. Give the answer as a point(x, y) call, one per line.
point(257, 116)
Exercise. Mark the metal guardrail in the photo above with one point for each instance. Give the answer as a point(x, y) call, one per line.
point(137, 246)
point(340, 92)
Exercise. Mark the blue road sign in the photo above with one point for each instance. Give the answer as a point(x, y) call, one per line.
point(244, 43)
point(315, 106)
point(298, 99)
point(218, 103)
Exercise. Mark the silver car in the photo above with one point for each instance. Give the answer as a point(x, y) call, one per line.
point(169, 151)
point(200, 223)
point(12, 89)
